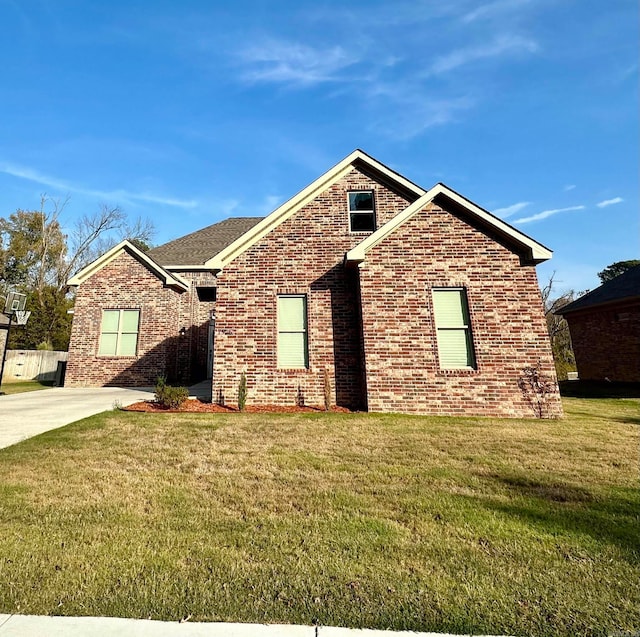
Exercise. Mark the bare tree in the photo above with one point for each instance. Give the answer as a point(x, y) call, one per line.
point(558, 328)
point(38, 258)
point(92, 235)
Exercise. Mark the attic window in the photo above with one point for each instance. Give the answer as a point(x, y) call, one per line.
point(206, 295)
point(362, 215)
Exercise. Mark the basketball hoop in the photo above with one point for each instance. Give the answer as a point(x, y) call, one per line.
point(21, 317)
point(15, 302)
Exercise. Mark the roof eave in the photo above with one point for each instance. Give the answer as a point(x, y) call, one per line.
point(189, 268)
point(534, 252)
point(168, 278)
point(567, 309)
point(287, 209)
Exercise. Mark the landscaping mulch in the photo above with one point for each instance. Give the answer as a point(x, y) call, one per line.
point(199, 406)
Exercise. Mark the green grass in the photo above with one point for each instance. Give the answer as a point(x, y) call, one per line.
point(464, 525)
point(20, 386)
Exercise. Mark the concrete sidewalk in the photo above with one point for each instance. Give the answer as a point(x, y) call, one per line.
point(31, 413)
point(40, 626)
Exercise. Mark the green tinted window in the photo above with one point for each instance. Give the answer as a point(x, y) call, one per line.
point(293, 351)
point(455, 345)
point(119, 333)
point(108, 343)
point(110, 320)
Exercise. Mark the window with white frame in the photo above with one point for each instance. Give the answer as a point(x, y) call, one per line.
point(362, 214)
point(293, 342)
point(453, 327)
point(119, 333)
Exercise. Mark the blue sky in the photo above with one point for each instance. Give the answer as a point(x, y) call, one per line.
point(194, 111)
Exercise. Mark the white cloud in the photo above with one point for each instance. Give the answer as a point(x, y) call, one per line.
point(511, 210)
point(547, 213)
point(569, 187)
point(123, 195)
point(503, 45)
point(292, 63)
point(610, 202)
point(493, 8)
point(406, 112)
point(269, 204)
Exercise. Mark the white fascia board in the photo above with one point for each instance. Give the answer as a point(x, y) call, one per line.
point(125, 246)
point(538, 252)
point(385, 170)
point(188, 268)
point(358, 253)
point(290, 207)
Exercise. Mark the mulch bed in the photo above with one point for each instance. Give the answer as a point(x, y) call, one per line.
point(198, 406)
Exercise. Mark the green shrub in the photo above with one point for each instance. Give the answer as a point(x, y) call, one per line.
point(161, 384)
point(242, 392)
point(326, 382)
point(168, 396)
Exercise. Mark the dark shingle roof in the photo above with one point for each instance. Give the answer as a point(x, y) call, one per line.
point(624, 286)
point(200, 246)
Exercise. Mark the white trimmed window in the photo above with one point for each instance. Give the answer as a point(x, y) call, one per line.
point(293, 344)
point(455, 344)
point(362, 214)
point(119, 332)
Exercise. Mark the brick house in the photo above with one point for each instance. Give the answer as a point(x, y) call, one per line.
point(605, 330)
point(414, 301)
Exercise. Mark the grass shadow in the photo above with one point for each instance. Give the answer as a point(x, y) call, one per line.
point(557, 507)
point(628, 420)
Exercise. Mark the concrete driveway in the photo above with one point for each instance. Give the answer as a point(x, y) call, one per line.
point(32, 413)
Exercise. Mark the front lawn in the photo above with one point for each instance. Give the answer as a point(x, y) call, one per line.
point(438, 524)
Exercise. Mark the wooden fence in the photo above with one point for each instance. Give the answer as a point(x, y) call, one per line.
point(30, 364)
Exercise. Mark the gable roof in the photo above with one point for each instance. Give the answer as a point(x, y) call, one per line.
point(169, 279)
point(357, 159)
point(213, 247)
point(625, 286)
point(533, 251)
point(196, 248)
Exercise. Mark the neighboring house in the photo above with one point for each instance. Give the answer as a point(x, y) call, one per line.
point(413, 300)
point(605, 329)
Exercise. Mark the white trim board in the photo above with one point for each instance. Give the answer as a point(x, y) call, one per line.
point(169, 279)
point(289, 208)
point(536, 251)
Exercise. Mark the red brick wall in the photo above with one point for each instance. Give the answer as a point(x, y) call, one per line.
point(124, 284)
point(606, 342)
point(437, 249)
point(194, 316)
point(304, 255)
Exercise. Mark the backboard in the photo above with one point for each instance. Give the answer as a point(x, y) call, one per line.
point(15, 302)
